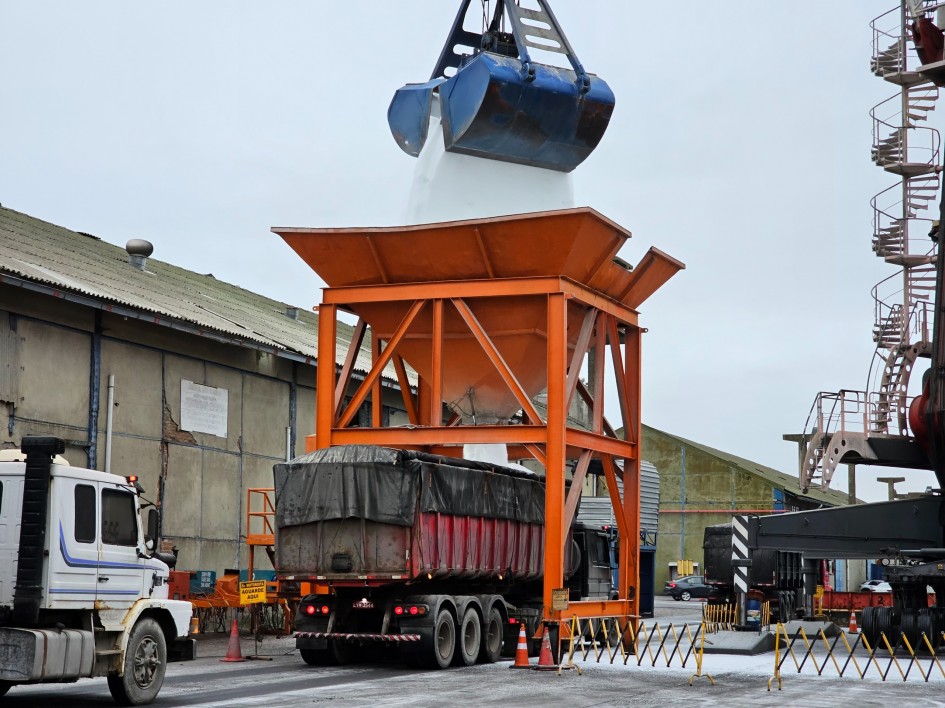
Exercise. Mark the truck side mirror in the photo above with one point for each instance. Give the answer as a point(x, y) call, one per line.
point(150, 537)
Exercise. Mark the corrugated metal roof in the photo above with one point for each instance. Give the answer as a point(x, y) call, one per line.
point(784, 481)
point(600, 512)
point(41, 252)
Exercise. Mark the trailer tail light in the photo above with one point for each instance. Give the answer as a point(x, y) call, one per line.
point(310, 609)
point(316, 609)
point(411, 610)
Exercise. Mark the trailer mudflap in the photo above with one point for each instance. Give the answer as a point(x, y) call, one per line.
point(182, 649)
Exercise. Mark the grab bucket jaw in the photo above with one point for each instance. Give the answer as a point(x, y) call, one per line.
point(409, 115)
point(492, 109)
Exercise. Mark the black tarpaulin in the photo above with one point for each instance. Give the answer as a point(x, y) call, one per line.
point(350, 481)
point(383, 485)
point(461, 491)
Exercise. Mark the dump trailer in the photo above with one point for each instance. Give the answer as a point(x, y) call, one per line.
point(439, 559)
point(82, 591)
point(774, 576)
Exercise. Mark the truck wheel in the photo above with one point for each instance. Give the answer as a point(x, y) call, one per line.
point(685, 595)
point(444, 641)
point(144, 666)
point(490, 648)
point(468, 639)
point(337, 654)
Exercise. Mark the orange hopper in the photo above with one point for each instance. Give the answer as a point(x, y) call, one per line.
point(578, 245)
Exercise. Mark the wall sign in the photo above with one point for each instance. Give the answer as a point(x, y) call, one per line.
point(203, 408)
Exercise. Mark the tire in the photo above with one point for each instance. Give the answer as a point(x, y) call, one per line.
point(144, 666)
point(314, 657)
point(612, 640)
point(439, 654)
point(337, 654)
point(685, 596)
point(490, 647)
point(468, 639)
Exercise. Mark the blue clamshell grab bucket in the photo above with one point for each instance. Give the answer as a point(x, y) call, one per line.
point(503, 106)
point(491, 109)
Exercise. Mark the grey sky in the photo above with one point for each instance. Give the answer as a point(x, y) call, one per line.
point(740, 144)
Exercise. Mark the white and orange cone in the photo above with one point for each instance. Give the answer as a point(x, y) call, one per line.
point(521, 651)
point(546, 661)
point(233, 652)
point(853, 627)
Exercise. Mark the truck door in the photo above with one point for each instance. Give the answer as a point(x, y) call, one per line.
point(11, 494)
point(72, 541)
point(121, 571)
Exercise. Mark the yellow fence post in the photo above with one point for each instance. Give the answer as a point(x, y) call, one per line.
point(699, 654)
point(777, 656)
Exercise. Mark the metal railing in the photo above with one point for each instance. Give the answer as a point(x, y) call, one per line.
point(848, 411)
point(917, 324)
point(897, 227)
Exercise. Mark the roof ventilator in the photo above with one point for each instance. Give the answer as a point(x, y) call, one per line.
point(138, 252)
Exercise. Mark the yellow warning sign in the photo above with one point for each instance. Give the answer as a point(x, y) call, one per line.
point(252, 591)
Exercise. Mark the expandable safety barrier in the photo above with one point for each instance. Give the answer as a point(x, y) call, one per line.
point(723, 618)
point(719, 618)
point(628, 639)
point(845, 655)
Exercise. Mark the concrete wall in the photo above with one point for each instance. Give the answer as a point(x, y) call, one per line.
point(55, 360)
point(699, 489)
point(696, 490)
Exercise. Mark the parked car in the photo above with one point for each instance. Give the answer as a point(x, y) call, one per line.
point(688, 587)
point(875, 586)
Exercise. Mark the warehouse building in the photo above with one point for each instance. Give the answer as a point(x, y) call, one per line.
point(201, 384)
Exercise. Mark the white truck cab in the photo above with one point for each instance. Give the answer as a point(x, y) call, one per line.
point(82, 591)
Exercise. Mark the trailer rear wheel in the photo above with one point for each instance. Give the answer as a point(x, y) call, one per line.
point(468, 639)
point(144, 666)
point(491, 645)
point(444, 641)
point(336, 654)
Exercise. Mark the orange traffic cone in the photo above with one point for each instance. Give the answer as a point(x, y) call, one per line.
point(521, 651)
point(545, 661)
point(233, 648)
point(853, 627)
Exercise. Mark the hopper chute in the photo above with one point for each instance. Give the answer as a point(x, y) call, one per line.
point(496, 102)
point(576, 245)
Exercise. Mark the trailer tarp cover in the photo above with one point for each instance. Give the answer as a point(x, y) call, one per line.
point(351, 481)
point(382, 485)
point(474, 492)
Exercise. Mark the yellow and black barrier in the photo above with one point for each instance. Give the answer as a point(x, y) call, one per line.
point(817, 653)
point(719, 618)
point(616, 637)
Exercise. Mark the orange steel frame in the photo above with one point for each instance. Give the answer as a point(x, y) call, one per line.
point(551, 441)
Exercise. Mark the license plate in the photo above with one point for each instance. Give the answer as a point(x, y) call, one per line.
point(363, 605)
